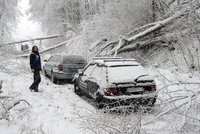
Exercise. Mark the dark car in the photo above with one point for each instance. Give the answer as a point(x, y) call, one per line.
point(114, 81)
point(63, 67)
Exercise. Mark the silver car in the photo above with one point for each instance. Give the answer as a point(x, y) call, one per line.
point(63, 67)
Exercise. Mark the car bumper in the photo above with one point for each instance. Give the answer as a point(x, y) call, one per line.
point(144, 99)
point(60, 75)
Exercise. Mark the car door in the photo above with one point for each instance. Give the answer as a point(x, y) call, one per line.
point(83, 79)
point(94, 80)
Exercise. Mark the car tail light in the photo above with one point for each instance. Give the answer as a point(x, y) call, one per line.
point(111, 91)
point(60, 67)
point(153, 88)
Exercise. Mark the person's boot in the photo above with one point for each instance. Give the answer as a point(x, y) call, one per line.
point(36, 89)
point(31, 89)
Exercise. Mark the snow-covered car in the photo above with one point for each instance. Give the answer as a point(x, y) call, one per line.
point(61, 67)
point(113, 81)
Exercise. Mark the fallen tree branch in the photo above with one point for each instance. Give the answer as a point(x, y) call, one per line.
point(173, 99)
point(97, 44)
point(121, 44)
point(180, 83)
point(163, 113)
point(157, 26)
point(112, 43)
point(179, 113)
point(14, 103)
point(21, 114)
point(48, 49)
point(139, 45)
point(142, 28)
point(9, 106)
point(4, 107)
point(190, 98)
point(153, 27)
point(155, 51)
point(29, 40)
point(171, 2)
point(5, 97)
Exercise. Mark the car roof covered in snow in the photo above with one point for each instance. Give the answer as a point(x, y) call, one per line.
point(112, 62)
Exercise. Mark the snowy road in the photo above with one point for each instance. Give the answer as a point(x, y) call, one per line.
point(51, 109)
point(55, 108)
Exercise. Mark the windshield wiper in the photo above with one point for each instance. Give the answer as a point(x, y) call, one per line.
point(136, 79)
point(133, 82)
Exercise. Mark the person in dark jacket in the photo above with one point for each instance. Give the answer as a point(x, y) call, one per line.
point(35, 64)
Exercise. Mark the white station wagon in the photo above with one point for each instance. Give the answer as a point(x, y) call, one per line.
point(116, 81)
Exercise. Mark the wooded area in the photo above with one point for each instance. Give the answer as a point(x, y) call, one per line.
point(9, 14)
point(122, 45)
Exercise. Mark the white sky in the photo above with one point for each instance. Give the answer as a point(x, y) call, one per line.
point(26, 29)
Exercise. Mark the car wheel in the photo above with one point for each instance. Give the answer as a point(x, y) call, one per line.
point(100, 103)
point(53, 79)
point(77, 90)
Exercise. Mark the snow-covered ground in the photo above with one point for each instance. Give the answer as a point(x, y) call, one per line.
point(51, 110)
point(56, 109)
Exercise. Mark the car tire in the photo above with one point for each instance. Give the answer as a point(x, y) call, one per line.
point(53, 79)
point(100, 103)
point(77, 90)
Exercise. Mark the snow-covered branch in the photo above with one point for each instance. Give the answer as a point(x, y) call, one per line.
point(6, 107)
point(120, 44)
point(29, 40)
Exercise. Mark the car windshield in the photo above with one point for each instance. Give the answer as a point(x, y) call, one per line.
point(73, 60)
point(123, 74)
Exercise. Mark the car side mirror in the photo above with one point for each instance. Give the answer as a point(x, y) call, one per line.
point(45, 60)
point(80, 71)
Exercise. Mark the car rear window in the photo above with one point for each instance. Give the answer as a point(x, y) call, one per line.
point(120, 74)
point(73, 60)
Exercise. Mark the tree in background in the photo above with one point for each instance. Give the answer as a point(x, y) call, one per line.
point(9, 13)
point(62, 15)
point(56, 16)
point(91, 19)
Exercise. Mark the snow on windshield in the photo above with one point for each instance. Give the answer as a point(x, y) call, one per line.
point(120, 74)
